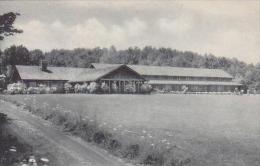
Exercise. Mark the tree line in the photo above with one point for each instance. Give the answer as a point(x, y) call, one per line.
point(248, 74)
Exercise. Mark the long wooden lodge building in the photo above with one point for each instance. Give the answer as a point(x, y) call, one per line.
point(174, 78)
point(160, 77)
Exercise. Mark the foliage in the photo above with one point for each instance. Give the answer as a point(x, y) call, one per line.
point(16, 88)
point(6, 25)
point(184, 89)
point(33, 90)
point(248, 74)
point(146, 88)
point(81, 88)
point(77, 88)
point(114, 87)
point(41, 89)
point(67, 87)
point(35, 56)
point(12, 150)
point(3, 118)
point(130, 88)
point(93, 87)
point(16, 56)
point(84, 88)
point(104, 87)
point(2, 83)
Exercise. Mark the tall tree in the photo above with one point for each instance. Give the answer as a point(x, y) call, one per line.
point(6, 25)
point(35, 56)
point(16, 55)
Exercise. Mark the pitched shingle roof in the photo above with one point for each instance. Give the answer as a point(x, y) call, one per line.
point(171, 71)
point(94, 74)
point(65, 73)
point(52, 73)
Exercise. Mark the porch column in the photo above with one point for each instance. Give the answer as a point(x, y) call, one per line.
point(138, 88)
point(119, 87)
point(124, 87)
point(137, 84)
point(134, 83)
point(109, 86)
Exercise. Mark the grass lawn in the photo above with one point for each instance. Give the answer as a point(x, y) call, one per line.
point(213, 130)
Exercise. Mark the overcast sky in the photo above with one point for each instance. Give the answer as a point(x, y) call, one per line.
point(229, 28)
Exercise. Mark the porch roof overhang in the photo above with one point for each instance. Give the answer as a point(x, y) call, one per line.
point(171, 82)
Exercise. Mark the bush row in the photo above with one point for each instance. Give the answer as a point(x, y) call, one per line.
point(20, 88)
point(103, 87)
point(93, 87)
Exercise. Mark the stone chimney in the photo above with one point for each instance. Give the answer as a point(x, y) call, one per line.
point(43, 65)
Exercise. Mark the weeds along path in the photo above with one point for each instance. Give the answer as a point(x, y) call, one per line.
point(67, 150)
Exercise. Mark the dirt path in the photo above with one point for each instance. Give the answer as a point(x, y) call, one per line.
point(68, 150)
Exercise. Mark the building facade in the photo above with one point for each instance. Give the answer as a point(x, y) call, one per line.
point(124, 77)
point(118, 78)
point(183, 79)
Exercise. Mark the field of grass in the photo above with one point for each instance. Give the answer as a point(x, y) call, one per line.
point(213, 130)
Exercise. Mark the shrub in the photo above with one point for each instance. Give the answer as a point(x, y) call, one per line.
point(146, 88)
point(2, 83)
point(16, 88)
point(154, 158)
point(104, 87)
point(53, 89)
point(3, 118)
point(86, 131)
point(59, 88)
point(130, 88)
point(77, 88)
point(42, 89)
point(81, 88)
point(99, 137)
point(178, 162)
point(114, 144)
point(11, 158)
point(114, 87)
point(32, 90)
point(68, 87)
point(84, 88)
point(184, 89)
point(132, 151)
point(58, 117)
point(167, 89)
point(48, 90)
point(93, 87)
